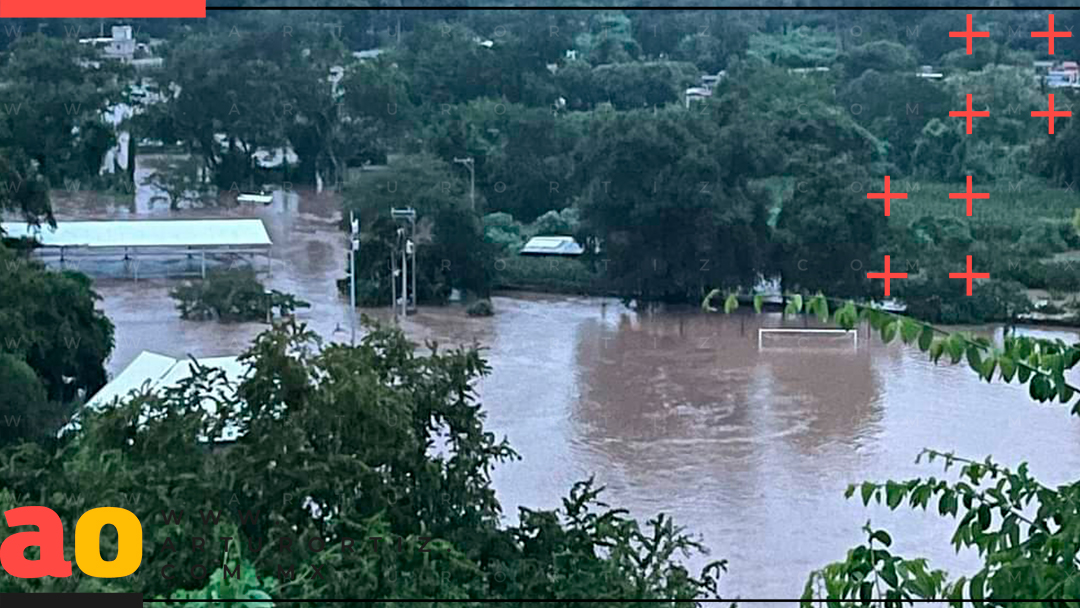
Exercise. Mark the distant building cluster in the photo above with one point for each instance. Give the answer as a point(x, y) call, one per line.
point(1064, 74)
point(122, 46)
point(705, 87)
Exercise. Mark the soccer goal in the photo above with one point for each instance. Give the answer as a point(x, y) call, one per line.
point(791, 338)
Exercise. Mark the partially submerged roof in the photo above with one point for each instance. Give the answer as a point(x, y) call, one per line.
point(151, 372)
point(552, 245)
point(263, 198)
point(145, 233)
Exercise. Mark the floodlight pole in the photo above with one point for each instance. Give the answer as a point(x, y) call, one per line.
point(406, 242)
point(393, 283)
point(412, 236)
point(354, 246)
point(468, 162)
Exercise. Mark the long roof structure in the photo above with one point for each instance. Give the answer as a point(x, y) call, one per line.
point(206, 233)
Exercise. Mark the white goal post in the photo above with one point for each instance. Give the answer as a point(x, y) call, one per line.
point(778, 330)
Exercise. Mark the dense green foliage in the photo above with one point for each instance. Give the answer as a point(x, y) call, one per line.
point(233, 294)
point(450, 245)
point(51, 100)
point(53, 346)
point(50, 320)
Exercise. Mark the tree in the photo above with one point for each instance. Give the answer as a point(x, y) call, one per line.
point(827, 235)
point(632, 85)
point(347, 432)
point(666, 191)
point(793, 128)
point(53, 100)
point(232, 295)
point(609, 39)
point(49, 320)
point(22, 187)
point(881, 55)
point(523, 155)
point(231, 95)
point(899, 118)
point(708, 53)
point(451, 250)
point(945, 152)
point(23, 404)
point(802, 47)
point(452, 65)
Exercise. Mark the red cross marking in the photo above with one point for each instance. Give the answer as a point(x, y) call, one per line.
point(1051, 34)
point(970, 34)
point(887, 195)
point(969, 275)
point(1050, 114)
point(886, 275)
point(969, 114)
point(969, 195)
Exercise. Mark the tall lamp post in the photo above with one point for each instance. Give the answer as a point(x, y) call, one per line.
point(353, 248)
point(408, 251)
point(468, 162)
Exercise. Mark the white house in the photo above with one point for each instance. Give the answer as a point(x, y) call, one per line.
point(120, 46)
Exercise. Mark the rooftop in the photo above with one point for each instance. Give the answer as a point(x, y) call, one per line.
point(552, 245)
point(152, 372)
point(144, 233)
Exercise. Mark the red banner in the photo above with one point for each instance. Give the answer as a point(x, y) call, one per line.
point(102, 8)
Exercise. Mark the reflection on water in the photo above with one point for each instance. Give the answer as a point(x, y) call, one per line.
point(673, 411)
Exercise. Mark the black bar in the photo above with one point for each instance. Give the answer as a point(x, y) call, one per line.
point(67, 600)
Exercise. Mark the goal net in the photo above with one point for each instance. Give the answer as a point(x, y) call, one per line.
point(807, 339)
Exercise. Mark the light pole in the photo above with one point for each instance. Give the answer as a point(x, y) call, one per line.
point(468, 162)
point(353, 248)
point(408, 250)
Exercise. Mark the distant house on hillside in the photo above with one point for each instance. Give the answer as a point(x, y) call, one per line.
point(705, 90)
point(368, 54)
point(120, 46)
point(806, 71)
point(696, 94)
point(1067, 74)
point(927, 71)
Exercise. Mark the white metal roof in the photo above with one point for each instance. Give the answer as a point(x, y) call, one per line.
point(145, 233)
point(552, 245)
point(153, 372)
point(265, 199)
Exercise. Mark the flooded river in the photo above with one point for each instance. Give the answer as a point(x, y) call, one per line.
point(673, 411)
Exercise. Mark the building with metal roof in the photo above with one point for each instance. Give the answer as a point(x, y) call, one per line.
point(152, 373)
point(146, 238)
point(552, 245)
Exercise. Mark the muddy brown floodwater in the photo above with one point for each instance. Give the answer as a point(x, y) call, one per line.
point(673, 411)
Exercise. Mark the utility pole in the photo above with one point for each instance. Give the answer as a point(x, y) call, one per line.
point(404, 276)
point(412, 254)
point(393, 283)
point(353, 249)
point(470, 163)
point(408, 249)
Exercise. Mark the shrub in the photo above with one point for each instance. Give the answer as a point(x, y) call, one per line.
point(232, 295)
point(480, 308)
point(23, 400)
point(943, 300)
